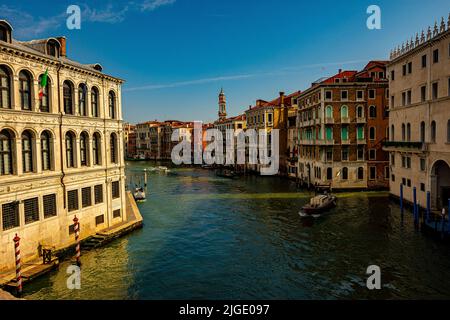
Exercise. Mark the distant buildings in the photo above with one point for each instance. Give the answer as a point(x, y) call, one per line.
point(419, 117)
point(61, 147)
point(129, 137)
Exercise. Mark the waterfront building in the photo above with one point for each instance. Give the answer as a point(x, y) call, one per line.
point(143, 143)
point(419, 117)
point(342, 122)
point(268, 116)
point(61, 147)
point(129, 131)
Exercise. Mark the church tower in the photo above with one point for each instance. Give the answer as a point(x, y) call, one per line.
point(222, 106)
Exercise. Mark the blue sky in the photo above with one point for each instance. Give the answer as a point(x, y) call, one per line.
point(176, 54)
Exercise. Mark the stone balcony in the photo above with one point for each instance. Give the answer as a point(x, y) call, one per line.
point(345, 141)
point(361, 120)
point(361, 141)
point(329, 120)
point(345, 120)
point(407, 146)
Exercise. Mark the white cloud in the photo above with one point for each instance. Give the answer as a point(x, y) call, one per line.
point(106, 15)
point(150, 5)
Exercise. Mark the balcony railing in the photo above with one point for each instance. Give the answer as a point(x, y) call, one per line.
point(406, 145)
point(361, 120)
point(345, 120)
point(361, 141)
point(345, 141)
point(329, 120)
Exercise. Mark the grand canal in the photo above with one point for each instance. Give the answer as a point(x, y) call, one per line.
point(207, 237)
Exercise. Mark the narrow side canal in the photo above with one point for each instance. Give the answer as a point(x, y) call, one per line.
point(213, 238)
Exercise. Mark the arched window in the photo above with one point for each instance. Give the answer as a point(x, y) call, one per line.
point(403, 132)
point(422, 132)
point(345, 173)
point(96, 149)
point(70, 150)
point(344, 112)
point(448, 131)
point(433, 131)
point(112, 105)
point(68, 97)
point(6, 152)
point(5, 88)
point(46, 151)
point(360, 173)
point(53, 48)
point(329, 173)
point(44, 101)
point(392, 133)
point(360, 112)
point(84, 149)
point(113, 148)
point(329, 112)
point(25, 90)
point(82, 94)
point(372, 133)
point(27, 151)
point(372, 112)
point(408, 132)
point(94, 102)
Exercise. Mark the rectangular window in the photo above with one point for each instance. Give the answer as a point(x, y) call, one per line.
point(408, 183)
point(371, 94)
point(404, 70)
point(86, 197)
point(423, 166)
point(345, 154)
point(393, 178)
point(436, 56)
point(422, 187)
point(344, 133)
point(115, 190)
point(98, 194)
point(359, 95)
point(410, 67)
point(100, 219)
point(435, 90)
point(72, 200)
point(10, 215)
point(404, 181)
point(403, 98)
point(49, 205)
point(393, 159)
point(386, 173)
point(372, 173)
point(408, 97)
point(31, 210)
point(423, 93)
point(344, 95)
point(392, 102)
point(448, 87)
point(328, 95)
point(360, 153)
point(372, 154)
point(360, 133)
point(424, 61)
point(116, 214)
point(392, 75)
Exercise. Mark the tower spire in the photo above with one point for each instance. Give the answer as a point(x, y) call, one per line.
point(222, 105)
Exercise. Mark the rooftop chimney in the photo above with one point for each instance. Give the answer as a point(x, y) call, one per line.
point(63, 52)
point(340, 71)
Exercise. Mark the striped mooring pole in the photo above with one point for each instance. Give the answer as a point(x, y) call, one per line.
point(76, 226)
point(18, 264)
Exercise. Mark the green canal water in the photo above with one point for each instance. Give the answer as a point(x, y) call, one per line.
point(207, 237)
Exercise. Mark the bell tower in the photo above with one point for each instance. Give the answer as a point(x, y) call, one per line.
point(222, 105)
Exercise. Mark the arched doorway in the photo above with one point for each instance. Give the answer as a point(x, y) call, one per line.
point(440, 184)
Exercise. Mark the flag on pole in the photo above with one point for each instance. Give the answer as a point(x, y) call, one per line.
point(43, 84)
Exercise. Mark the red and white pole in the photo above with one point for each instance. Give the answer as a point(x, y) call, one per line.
point(18, 264)
point(76, 227)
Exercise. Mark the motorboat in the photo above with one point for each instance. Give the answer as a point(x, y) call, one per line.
point(318, 205)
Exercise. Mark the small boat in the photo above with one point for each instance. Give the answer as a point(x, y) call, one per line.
point(163, 169)
point(139, 195)
point(226, 174)
point(141, 157)
point(319, 204)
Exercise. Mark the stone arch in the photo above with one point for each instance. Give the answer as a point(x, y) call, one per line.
point(440, 184)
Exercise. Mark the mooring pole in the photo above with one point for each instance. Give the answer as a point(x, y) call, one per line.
point(401, 199)
point(18, 264)
point(76, 226)
point(448, 213)
point(145, 178)
point(415, 205)
point(428, 205)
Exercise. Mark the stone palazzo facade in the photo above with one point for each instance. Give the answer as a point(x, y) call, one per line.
point(419, 117)
point(61, 155)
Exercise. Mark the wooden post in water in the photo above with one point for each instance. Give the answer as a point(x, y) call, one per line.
point(415, 206)
point(401, 200)
point(428, 206)
point(18, 264)
point(145, 178)
point(76, 226)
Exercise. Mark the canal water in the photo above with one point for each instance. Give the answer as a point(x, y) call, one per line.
point(207, 237)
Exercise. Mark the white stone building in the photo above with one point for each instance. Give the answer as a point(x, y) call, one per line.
point(60, 156)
